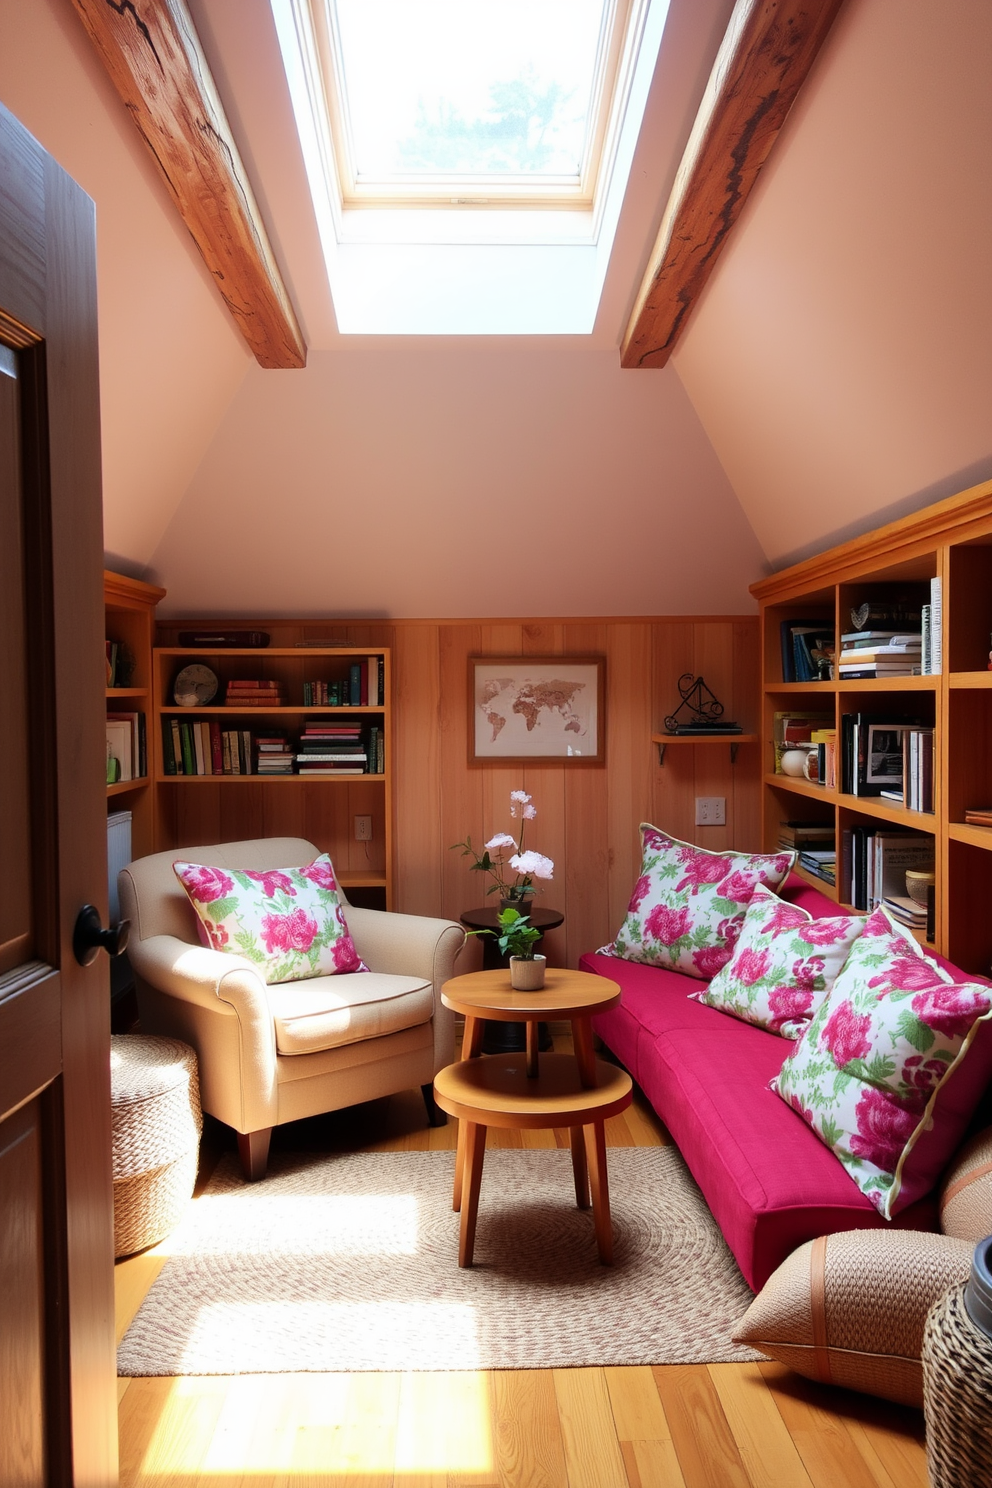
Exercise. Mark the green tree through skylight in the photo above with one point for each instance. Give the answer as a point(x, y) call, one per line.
point(524, 130)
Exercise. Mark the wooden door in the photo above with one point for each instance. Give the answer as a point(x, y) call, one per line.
point(57, 1385)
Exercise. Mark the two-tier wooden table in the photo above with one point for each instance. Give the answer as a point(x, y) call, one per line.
point(532, 1093)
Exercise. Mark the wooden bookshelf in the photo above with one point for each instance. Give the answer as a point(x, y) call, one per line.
point(129, 617)
point(952, 541)
point(219, 807)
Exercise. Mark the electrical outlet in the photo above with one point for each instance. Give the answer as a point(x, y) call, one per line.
point(363, 829)
point(711, 811)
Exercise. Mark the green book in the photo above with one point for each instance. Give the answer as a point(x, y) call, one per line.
point(189, 755)
point(168, 757)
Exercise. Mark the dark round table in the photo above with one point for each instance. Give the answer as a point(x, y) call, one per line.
point(508, 1038)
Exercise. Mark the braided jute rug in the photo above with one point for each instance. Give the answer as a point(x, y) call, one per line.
point(351, 1263)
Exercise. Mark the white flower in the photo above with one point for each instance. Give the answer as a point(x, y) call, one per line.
point(502, 839)
point(533, 865)
point(528, 812)
point(520, 805)
point(520, 796)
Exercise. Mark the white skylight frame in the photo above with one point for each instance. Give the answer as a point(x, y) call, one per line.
point(463, 269)
point(621, 25)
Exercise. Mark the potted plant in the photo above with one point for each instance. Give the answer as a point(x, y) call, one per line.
point(516, 938)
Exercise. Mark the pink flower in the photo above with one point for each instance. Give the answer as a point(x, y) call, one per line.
point(884, 1128)
point(728, 932)
point(710, 960)
point(807, 972)
point(321, 873)
point(824, 932)
point(291, 932)
point(345, 956)
point(217, 935)
point(738, 886)
point(789, 1005)
point(751, 966)
point(701, 869)
point(502, 839)
point(272, 882)
point(950, 1009)
point(206, 884)
point(667, 925)
point(844, 1034)
point(804, 1111)
point(906, 974)
point(640, 893)
point(784, 917)
point(923, 1074)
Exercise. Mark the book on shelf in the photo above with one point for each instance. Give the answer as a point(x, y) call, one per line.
point(138, 753)
point(801, 834)
point(906, 911)
point(119, 747)
point(821, 862)
point(872, 752)
point(882, 652)
point(807, 650)
point(979, 816)
point(880, 856)
point(793, 728)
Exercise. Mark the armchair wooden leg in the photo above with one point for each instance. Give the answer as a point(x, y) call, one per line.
point(253, 1149)
point(435, 1116)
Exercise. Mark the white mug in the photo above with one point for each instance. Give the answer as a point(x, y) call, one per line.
point(811, 766)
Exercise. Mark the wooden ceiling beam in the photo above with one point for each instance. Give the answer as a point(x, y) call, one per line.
point(763, 61)
point(153, 55)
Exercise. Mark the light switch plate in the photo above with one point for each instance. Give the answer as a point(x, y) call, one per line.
point(711, 811)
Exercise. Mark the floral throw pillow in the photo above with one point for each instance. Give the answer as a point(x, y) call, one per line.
point(688, 905)
point(783, 964)
point(289, 921)
point(868, 1073)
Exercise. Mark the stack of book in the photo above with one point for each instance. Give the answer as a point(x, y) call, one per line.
point(825, 742)
point(979, 816)
point(332, 749)
point(814, 842)
point(242, 694)
point(906, 911)
point(880, 653)
point(274, 754)
point(916, 789)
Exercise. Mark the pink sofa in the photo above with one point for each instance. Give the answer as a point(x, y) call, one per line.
point(769, 1181)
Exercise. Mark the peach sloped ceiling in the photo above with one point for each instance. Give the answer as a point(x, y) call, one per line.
point(841, 357)
point(170, 355)
point(468, 480)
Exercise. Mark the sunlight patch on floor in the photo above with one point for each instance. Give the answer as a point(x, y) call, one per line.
point(300, 1224)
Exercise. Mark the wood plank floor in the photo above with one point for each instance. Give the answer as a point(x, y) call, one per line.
point(675, 1426)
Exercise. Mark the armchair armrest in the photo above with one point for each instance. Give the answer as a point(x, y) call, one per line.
point(406, 945)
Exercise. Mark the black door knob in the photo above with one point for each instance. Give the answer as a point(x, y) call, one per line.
point(89, 936)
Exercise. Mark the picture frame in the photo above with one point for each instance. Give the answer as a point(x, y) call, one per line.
point(525, 710)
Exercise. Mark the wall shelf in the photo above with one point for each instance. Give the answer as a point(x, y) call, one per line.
point(734, 740)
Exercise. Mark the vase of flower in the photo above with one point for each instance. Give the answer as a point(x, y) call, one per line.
point(512, 878)
point(527, 973)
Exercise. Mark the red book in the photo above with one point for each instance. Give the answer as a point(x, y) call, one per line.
point(216, 747)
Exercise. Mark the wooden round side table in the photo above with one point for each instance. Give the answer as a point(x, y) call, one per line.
point(559, 1090)
point(508, 1037)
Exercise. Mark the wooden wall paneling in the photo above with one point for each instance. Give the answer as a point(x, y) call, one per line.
point(496, 781)
point(673, 782)
point(628, 721)
point(746, 704)
point(586, 851)
point(420, 844)
point(463, 800)
point(713, 660)
point(546, 783)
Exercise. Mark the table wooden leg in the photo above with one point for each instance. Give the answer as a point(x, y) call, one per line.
point(472, 1037)
point(533, 1034)
point(595, 1140)
point(456, 1198)
point(585, 1055)
point(580, 1168)
point(475, 1153)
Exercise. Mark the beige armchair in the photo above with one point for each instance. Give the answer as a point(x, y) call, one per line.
point(269, 1054)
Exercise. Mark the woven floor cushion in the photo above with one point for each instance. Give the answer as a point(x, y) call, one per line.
point(850, 1309)
point(155, 1125)
point(966, 1192)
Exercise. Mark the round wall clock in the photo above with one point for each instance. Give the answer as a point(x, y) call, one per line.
point(195, 686)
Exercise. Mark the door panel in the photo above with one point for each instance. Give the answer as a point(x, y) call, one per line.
point(56, 1209)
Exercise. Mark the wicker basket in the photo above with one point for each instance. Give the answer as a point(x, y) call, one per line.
point(957, 1384)
point(156, 1124)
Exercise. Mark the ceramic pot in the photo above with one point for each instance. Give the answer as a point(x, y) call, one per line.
point(527, 975)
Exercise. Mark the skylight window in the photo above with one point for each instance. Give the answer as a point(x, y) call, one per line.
point(468, 102)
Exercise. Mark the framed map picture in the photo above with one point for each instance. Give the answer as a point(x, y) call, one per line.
point(528, 708)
